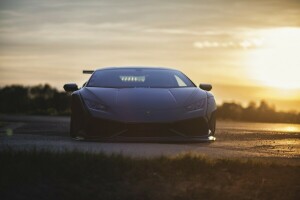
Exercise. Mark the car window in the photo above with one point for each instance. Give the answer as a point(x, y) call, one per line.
point(180, 82)
point(152, 78)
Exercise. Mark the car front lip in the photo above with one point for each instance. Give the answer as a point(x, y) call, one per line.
point(174, 139)
point(191, 129)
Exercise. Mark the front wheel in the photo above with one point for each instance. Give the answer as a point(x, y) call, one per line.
point(73, 128)
point(212, 123)
point(77, 129)
point(77, 120)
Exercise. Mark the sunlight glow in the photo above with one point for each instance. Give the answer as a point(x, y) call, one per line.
point(291, 129)
point(277, 62)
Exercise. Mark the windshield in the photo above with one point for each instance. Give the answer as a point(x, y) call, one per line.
point(127, 78)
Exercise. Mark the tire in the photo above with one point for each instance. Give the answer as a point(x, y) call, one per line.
point(77, 119)
point(73, 128)
point(212, 123)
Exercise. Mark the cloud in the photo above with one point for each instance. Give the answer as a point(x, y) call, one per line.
point(172, 31)
point(245, 44)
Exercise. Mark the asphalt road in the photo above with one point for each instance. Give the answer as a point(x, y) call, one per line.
point(280, 142)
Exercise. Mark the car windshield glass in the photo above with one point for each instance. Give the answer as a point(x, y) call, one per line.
point(126, 78)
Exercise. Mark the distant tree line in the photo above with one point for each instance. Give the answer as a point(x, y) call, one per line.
point(46, 100)
point(40, 99)
point(263, 112)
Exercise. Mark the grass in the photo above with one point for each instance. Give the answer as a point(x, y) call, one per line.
point(75, 175)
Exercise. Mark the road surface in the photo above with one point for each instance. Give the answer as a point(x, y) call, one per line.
point(234, 140)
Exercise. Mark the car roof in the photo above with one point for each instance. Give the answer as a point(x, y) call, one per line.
point(135, 67)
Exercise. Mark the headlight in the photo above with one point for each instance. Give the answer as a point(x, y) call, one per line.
point(95, 105)
point(196, 105)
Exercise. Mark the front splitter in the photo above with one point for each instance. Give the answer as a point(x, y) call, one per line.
point(150, 139)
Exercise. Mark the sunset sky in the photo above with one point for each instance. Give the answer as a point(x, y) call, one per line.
point(248, 49)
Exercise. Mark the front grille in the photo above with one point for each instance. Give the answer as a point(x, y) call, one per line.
point(191, 127)
point(107, 128)
point(103, 128)
point(148, 130)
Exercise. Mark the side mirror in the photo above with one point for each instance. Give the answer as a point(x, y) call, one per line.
point(70, 87)
point(206, 87)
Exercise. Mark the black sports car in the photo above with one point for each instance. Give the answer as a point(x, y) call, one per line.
point(142, 104)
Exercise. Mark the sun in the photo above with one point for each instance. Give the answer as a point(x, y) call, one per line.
point(277, 62)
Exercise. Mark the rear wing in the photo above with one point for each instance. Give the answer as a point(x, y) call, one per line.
point(88, 71)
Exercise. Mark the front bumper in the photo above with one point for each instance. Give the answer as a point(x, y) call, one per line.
point(195, 129)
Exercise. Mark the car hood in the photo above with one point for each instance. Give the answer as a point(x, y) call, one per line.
point(143, 98)
point(132, 103)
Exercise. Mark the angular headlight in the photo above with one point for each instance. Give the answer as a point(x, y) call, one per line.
point(95, 105)
point(196, 105)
